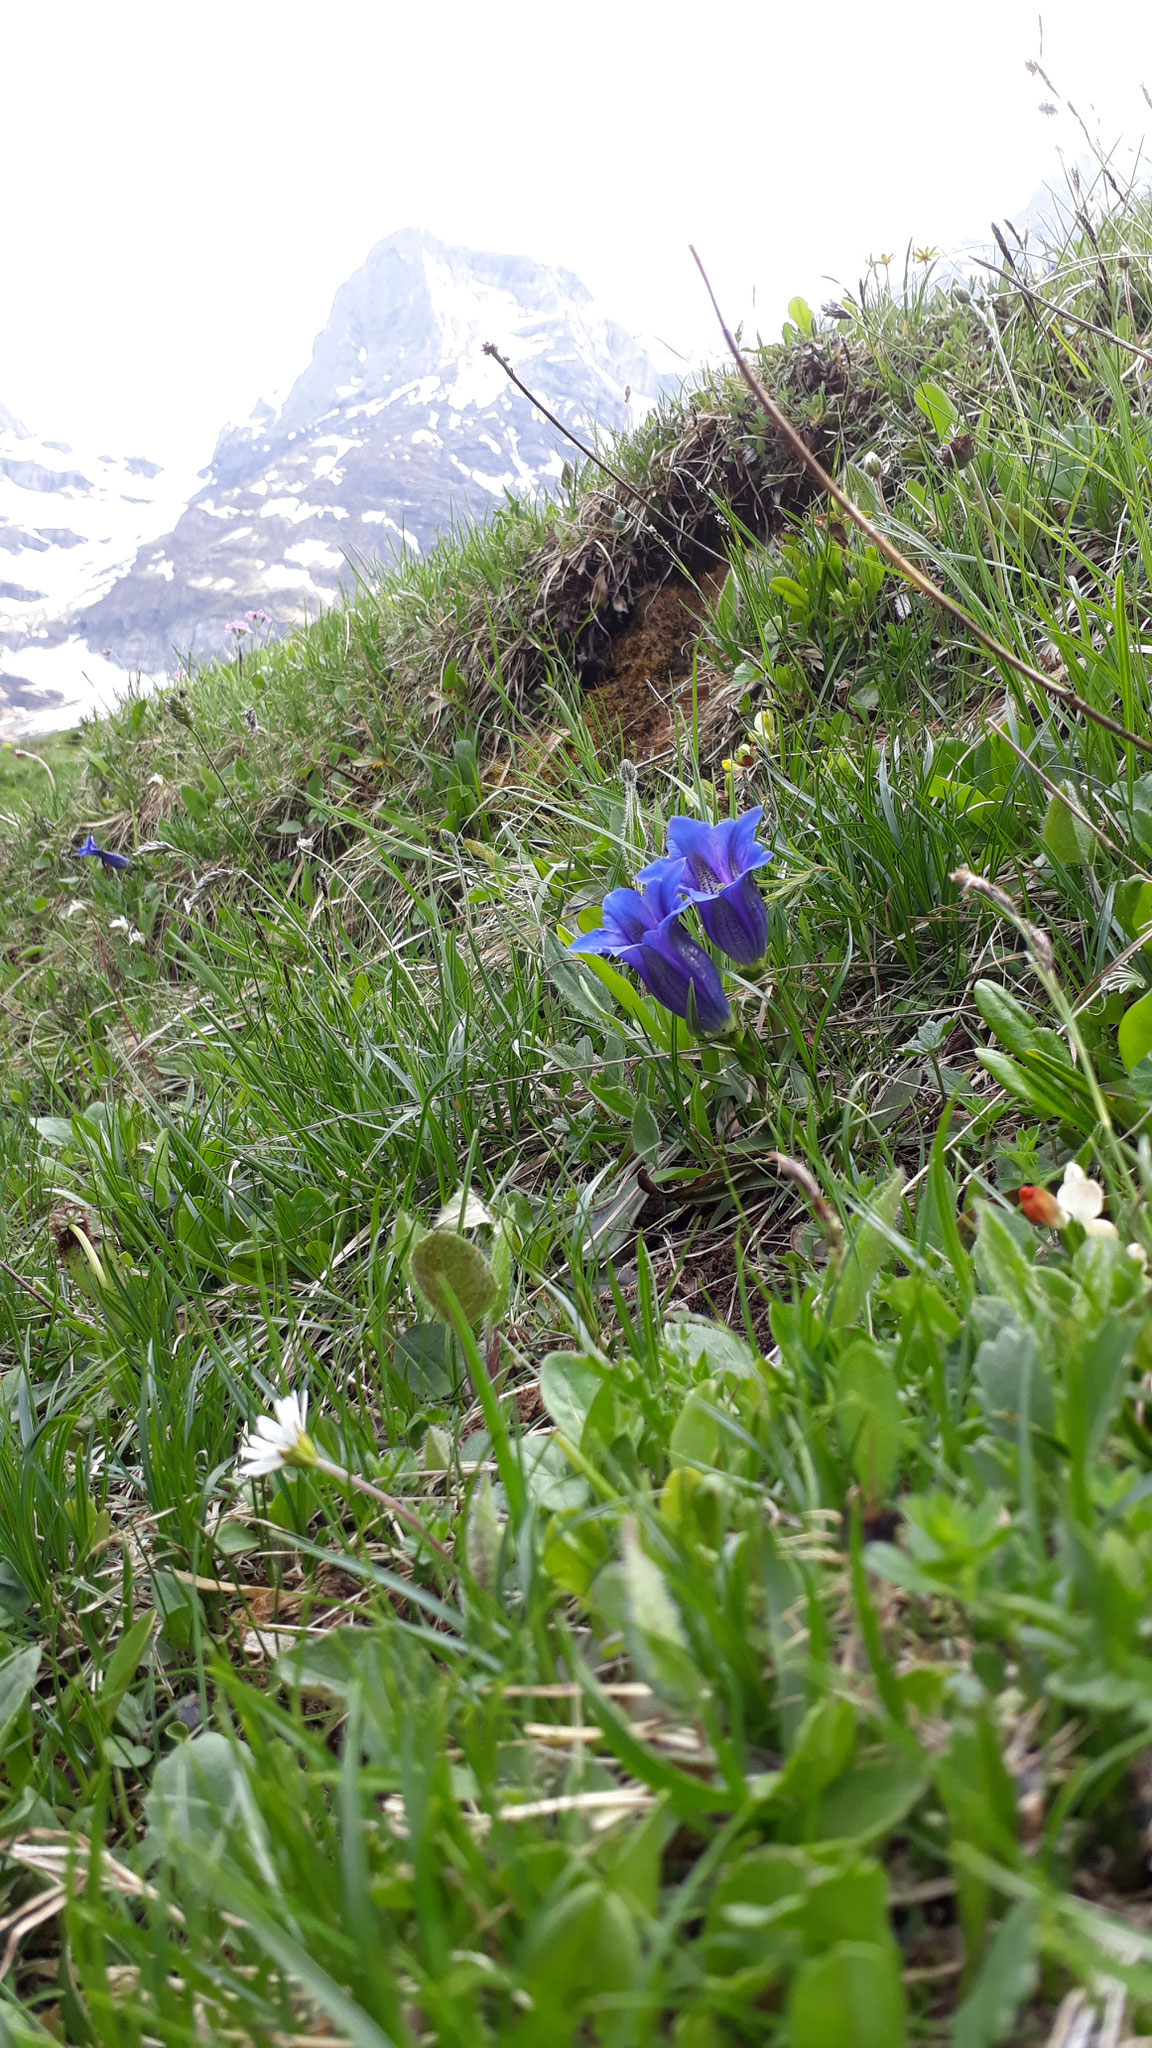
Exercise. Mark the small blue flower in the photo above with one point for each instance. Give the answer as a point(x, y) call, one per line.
point(645, 932)
point(718, 863)
point(108, 860)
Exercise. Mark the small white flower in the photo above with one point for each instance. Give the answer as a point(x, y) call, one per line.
point(119, 924)
point(1137, 1252)
point(1082, 1199)
point(278, 1439)
point(75, 907)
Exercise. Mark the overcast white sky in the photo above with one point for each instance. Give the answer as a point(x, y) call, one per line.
point(188, 182)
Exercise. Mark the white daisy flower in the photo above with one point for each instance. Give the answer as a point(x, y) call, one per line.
point(1082, 1199)
point(278, 1439)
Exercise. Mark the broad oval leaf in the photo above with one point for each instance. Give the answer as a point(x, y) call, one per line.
point(1134, 1038)
point(445, 1265)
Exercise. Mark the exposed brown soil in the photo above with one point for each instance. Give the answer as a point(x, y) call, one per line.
point(645, 693)
point(616, 596)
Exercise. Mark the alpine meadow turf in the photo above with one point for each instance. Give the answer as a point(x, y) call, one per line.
point(523, 1521)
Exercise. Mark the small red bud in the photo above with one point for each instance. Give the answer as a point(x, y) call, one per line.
point(1041, 1207)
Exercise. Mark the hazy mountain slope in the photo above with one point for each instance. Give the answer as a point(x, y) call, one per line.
point(70, 523)
point(398, 425)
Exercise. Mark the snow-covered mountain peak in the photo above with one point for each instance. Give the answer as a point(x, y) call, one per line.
point(70, 524)
point(397, 426)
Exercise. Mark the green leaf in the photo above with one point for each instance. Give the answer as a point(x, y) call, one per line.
point(444, 1260)
point(1134, 1037)
point(1008, 1976)
point(869, 1415)
point(197, 1791)
point(696, 1431)
point(549, 1480)
point(17, 1677)
point(177, 1606)
point(1067, 839)
point(848, 1904)
point(1004, 1257)
point(793, 593)
point(851, 1996)
point(1011, 1381)
point(1094, 1370)
point(874, 1798)
point(869, 1250)
point(1134, 907)
point(933, 401)
point(423, 1357)
point(1006, 1017)
point(655, 1628)
point(801, 315)
point(483, 1535)
point(692, 1341)
point(583, 1946)
point(1046, 1095)
point(122, 1665)
point(569, 1383)
point(961, 797)
point(645, 1132)
point(824, 1744)
point(862, 489)
point(55, 1130)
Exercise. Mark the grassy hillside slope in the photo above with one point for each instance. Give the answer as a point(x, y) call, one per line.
point(705, 1598)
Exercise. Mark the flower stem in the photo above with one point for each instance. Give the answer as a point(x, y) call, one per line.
point(386, 1500)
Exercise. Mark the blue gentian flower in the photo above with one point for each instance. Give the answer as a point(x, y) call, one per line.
point(645, 932)
point(718, 865)
point(108, 860)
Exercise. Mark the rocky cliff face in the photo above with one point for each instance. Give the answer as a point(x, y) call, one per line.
point(399, 425)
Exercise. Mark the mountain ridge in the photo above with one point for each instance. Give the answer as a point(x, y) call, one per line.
point(398, 426)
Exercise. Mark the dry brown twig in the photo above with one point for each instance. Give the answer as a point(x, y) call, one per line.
point(1068, 698)
point(646, 504)
point(26, 754)
point(802, 1177)
point(490, 349)
point(1037, 941)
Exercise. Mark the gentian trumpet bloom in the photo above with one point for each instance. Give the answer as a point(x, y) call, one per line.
point(645, 932)
point(89, 850)
point(719, 861)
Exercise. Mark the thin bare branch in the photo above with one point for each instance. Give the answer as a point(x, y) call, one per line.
point(900, 562)
point(1015, 283)
point(654, 511)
